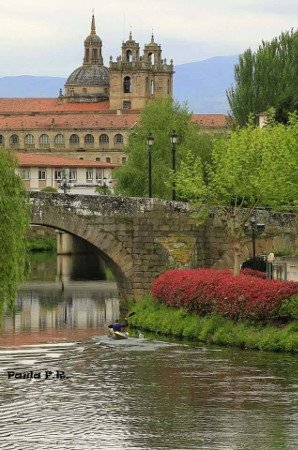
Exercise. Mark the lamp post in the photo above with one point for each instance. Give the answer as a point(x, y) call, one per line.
point(255, 229)
point(104, 185)
point(64, 183)
point(150, 140)
point(174, 139)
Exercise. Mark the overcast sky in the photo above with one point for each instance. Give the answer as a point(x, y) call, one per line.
point(42, 37)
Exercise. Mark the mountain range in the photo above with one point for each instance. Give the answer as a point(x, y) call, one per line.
point(202, 84)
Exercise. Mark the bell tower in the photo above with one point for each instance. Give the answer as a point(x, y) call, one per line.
point(135, 79)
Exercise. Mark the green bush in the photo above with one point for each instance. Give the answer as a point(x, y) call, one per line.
point(49, 189)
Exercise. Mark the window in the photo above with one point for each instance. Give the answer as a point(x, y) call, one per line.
point(104, 139)
point(42, 174)
point(1, 140)
point(128, 56)
point(126, 104)
point(44, 139)
point(99, 174)
point(108, 160)
point(89, 174)
point(127, 85)
point(152, 87)
point(97, 159)
point(84, 90)
point(89, 140)
point(72, 175)
point(58, 174)
point(94, 54)
point(118, 139)
point(81, 157)
point(25, 174)
point(74, 139)
point(124, 159)
point(59, 139)
point(151, 58)
point(14, 140)
point(29, 139)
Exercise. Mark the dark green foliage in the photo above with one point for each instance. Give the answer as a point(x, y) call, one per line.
point(267, 78)
point(153, 316)
point(41, 245)
point(13, 224)
point(159, 117)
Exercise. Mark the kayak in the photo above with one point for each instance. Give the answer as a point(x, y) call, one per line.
point(119, 335)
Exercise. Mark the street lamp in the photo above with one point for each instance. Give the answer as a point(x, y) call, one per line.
point(174, 140)
point(64, 183)
point(150, 140)
point(255, 229)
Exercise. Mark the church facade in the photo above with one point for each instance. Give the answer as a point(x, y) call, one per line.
point(91, 119)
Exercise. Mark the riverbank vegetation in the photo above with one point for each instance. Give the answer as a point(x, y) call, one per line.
point(14, 213)
point(216, 307)
point(161, 319)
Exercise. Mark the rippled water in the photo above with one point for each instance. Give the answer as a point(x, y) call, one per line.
point(139, 393)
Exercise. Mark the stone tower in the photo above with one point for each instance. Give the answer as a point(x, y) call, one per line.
point(135, 79)
point(89, 82)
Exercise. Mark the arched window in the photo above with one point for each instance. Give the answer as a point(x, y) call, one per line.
point(104, 139)
point(128, 56)
point(29, 141)
point(14, 141)
point(118, 139)
point(44, 140)
point(59, 139)
point(152, 87)
point(89, 141)
point(74, 140)
point(127, 85)
point(151, 57)
point(1, 140)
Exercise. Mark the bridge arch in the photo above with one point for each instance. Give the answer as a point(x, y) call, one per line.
point(111, 250)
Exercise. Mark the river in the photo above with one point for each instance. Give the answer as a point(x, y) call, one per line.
point(141, 393)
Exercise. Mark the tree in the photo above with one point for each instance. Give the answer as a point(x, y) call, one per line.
point(266, 78)
point(13, 225)
point(254, 167)
point(159, 117)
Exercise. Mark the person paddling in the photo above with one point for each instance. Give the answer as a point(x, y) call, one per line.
point(118, 326)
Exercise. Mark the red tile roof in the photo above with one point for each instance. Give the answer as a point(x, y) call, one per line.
point(69, 121)
point(48, 105)
point(210, 120)
point(40, 160)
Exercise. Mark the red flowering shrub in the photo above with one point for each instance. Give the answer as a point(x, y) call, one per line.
point(253, 273)
point(208, 290)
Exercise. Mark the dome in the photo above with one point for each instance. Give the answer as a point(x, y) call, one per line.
point(90, 75)
point(92, 39)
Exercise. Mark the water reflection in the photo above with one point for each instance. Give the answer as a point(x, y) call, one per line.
point(52, 267)
point(46, 309)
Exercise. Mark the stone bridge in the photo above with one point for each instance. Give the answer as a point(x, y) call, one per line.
point(138, 238)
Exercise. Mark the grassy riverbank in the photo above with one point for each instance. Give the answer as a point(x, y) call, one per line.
point(158, 318)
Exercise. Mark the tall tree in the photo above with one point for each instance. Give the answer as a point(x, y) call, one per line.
point(13, 225)
point(266, 78)
point(159, 117)
point(254, 167)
